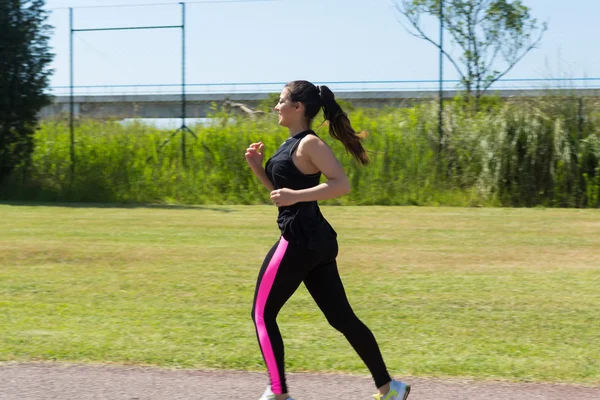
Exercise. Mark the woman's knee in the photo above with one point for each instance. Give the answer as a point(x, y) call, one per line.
point(343, 321)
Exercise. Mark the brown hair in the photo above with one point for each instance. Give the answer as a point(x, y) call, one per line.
point(314, 98)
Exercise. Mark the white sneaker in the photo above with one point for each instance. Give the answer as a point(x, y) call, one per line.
point(398, 391)
point(269, 395)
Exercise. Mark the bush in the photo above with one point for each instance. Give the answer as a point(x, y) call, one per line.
point(527, 154)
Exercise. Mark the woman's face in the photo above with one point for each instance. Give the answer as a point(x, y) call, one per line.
point(289, 112)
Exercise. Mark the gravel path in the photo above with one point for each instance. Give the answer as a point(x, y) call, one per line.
point(45, 381)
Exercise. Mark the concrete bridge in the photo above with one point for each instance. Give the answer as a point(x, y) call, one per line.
point(199, 105)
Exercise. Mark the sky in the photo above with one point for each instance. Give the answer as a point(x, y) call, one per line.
point(284, 40)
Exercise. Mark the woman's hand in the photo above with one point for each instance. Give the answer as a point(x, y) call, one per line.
point(284, 197)
point(254, 155)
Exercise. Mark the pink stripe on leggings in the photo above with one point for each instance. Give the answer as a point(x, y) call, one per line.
point(263, 294)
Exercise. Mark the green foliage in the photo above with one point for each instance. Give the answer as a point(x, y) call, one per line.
point(267, 104)
point(543, 153)
point(24, 75)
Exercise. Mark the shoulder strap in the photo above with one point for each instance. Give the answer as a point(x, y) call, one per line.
point(297, 142)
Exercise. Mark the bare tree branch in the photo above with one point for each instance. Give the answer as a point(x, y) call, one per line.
point(421, 35)
point(493, 58)
point(529, 48)
point(473, 40)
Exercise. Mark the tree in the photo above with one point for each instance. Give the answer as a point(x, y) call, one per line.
point(494, 35)
point(24, 75)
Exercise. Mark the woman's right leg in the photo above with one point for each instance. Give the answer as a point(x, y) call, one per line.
point(326, 288)
point(279, 277)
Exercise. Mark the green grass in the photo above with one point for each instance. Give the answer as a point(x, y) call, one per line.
point(485, 293)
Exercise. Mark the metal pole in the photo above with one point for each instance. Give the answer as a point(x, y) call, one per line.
point(71, 96)
point(581, 118)
point(183, 127)
point(183, 98)
point(441, 90)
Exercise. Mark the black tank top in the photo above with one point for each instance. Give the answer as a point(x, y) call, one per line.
point(300, 222)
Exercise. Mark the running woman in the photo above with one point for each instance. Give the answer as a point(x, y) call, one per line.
point(307, 249)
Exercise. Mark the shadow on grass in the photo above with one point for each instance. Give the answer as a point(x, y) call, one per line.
point(222, 209)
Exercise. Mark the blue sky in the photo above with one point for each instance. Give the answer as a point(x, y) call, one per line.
point(279, 41)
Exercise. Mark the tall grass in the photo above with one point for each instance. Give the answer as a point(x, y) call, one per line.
point(528, 154)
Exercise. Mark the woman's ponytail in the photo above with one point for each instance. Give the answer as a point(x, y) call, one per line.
point(340, 127)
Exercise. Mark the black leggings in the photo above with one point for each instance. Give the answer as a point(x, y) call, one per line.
point(287, 265)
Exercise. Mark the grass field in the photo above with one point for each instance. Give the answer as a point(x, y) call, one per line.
point(479, 292)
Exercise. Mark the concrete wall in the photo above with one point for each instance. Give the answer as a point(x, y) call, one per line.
point(198, 105)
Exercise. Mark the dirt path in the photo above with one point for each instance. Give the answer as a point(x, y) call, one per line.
point(48, 381)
